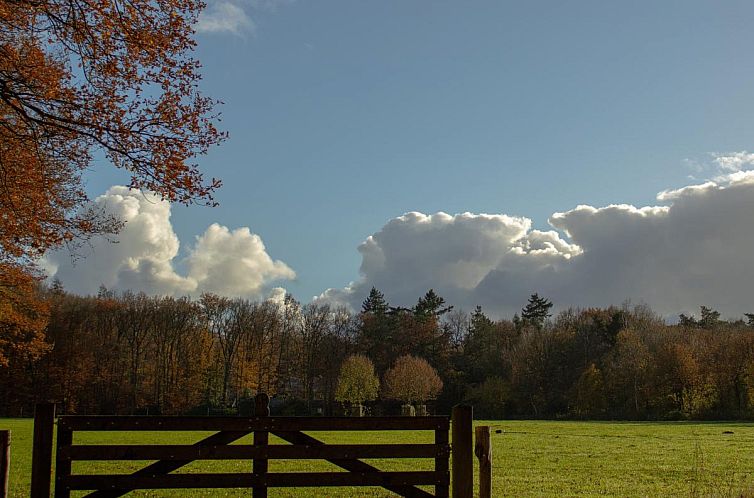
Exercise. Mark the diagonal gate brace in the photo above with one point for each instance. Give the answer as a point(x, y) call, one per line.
point(167, 466)
point(351, 464)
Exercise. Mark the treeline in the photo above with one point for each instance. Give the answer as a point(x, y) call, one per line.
point(131, 353)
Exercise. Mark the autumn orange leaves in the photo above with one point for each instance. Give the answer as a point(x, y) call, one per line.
point(95, 75)
point(86, 77)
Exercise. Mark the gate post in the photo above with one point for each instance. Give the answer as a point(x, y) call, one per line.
point(41, 460)
point(4, 463)
point(463, 452)
point(261, 409)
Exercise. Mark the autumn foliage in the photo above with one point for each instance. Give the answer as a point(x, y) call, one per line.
point(412, 380)
point(357, 381)
point(82, 78)
point(132, 353)
point(23, 317)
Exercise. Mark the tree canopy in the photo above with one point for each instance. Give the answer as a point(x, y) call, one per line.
point(431, 305)
point(357, 381)
point(412, 379)
point(131, 353)
point(83, 81)
point(375, 303)
point(537, 310)
point(80, 80)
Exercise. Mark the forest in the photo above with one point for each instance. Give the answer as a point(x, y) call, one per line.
point(129, 353)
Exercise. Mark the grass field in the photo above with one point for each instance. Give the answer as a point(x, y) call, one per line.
point(530, 458)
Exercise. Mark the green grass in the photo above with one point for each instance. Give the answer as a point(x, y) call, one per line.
point(530, 458)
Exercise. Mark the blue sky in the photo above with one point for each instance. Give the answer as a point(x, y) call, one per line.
point(344, 115)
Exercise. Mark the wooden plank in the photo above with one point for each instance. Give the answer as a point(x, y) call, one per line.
point(463, 452)
point(217, 480)
point(355, 466)
point(159, 469)
point(261, 439)
point(41, 461)
point(4, 462)
point(62, 465)
point(442, 464)
point(247, 452)
point(160, 423)
point(483, 451)
point(156, 423)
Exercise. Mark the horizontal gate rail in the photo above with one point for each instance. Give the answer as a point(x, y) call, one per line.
point(143, 423)
point(245, 452)
point(218, 480)
point(297, 445)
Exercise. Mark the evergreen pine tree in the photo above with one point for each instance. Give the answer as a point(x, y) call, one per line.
point(709, 318)
point(431, 305)
point(479, 321)
point(537, 310)
point(375, 303)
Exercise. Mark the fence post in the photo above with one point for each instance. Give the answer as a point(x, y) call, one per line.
point(483, 450)
point(41, 460)
point(463, 452)
point(4, 463)
point(261, 409)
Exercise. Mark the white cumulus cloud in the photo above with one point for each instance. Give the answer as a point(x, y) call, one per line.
point(223, 261)
point(233, 262)
point(697, 248)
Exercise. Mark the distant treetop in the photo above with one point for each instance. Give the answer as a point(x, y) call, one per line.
point(375, 303)
point(537, 310)
point(431, 305)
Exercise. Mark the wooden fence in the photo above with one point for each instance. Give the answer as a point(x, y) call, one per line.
point(169, 457)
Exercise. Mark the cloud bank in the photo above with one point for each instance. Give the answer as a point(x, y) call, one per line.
point(223, 261)
point(696, 248)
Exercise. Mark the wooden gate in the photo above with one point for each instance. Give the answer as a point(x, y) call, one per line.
point(169, 457)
